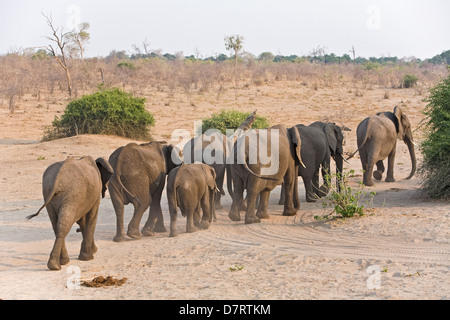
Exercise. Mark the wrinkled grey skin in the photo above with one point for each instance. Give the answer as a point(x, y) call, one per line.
point(139, 178)
point(72, 191)
point(377, 140)
point(215, 146)
point(247, 176)
point(191, 187)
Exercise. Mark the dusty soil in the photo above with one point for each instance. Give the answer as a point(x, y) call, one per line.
point(403, 240)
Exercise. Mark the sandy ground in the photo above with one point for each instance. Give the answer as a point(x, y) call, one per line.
point(403, 240)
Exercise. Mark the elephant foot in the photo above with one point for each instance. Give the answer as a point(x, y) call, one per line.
point(53, 265)
point(85, 256)
point(119, 238)
point(160, 228)
point(289, 212)
point(191, 229)
point(203, 225)
point(377, 175)
point(64, 260)
point(390, 180)
point(234, 216)
point(368, 183)
point(252, 219)
point(134, 234)
point(147, 232)
point(309, 199)
point(173, 234)
point(263, 215)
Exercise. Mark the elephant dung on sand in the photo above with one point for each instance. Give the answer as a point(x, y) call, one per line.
point(72, 191)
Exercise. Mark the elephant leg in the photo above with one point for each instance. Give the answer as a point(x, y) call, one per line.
point(238, 199)
point(88, 247)
point(64, 256)
point(368, 163)
point(173, 223)
point(289, 180)
point(250, 216)
point(326, 175)
point(378, 174)
point(116, 199)
point(311, 186)
point(282, 194)
point(263, 204)
point(390, 169)
point(219, 181)
point(133, 227)
point(205, 203)
point(62, 229)
point(155, 221)
point(190, 213)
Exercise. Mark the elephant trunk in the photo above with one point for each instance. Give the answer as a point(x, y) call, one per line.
point(339, 159)
point(412, 154)
point(229, 181)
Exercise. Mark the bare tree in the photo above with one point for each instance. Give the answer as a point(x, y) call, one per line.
point(78, 38)
point(354, 54)
point(60, 39)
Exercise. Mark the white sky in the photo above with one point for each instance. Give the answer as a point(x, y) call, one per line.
point(401, 28)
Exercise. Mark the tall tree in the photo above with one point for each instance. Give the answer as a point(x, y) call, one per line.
point(60, 39)
point(78, 38)
point(234, 43)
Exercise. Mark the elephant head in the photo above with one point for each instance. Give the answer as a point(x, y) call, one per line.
point(405, 133)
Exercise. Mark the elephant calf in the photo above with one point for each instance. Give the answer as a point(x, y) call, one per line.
point(190, 187)
point(72, 191)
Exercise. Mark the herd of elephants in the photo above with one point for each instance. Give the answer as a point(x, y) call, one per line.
point(138, 173)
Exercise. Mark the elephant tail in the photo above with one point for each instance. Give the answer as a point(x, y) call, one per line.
point(255, 174)
point(362, 142)
point(229, 181)
point(53, 192)
point(45, 204)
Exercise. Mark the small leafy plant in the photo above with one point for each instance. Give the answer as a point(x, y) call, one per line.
point(236, 268)
point(347, 201)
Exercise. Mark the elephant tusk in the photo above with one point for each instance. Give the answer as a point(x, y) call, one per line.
point(301, 162)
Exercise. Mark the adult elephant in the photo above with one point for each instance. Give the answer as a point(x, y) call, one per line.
point(139, 178)
point(72, 191)
point(320, 142)
point(377, 140)
point(253, 169)
point(191, 187)
point(211, 149)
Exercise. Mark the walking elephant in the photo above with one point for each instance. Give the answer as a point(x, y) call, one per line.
point(212, 150)
point(139, 178)
point(320, 142)
point(377, 140)
point(191, 187)
point(258, 172)
point(72, 191)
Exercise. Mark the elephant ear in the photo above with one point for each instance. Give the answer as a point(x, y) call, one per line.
point(331, 134)
point(399, 115)
point(297, 143)
point(106, 171)
point(210, 172)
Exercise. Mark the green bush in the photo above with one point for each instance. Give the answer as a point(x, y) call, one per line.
point(346, 200)
point(409, 81)
point(231, 120)
point(435, 167)
point(108, 111)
